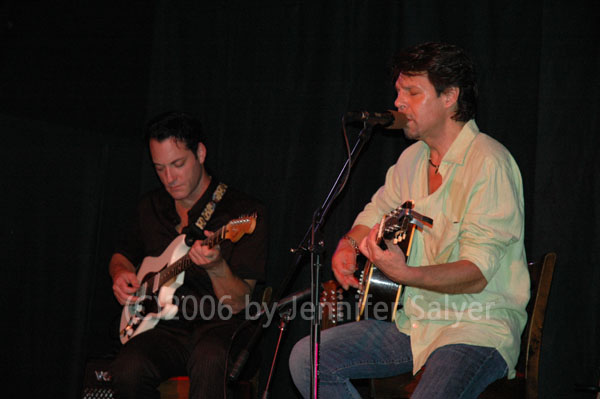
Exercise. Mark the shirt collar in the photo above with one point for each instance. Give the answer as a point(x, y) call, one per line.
point(459, 148)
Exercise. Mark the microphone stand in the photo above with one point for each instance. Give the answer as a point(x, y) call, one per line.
point(284, 320)
point(315, 249)
point(315, 329)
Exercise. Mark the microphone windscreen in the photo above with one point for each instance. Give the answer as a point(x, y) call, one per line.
point(399, 120)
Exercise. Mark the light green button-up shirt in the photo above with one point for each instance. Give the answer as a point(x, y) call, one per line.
point(478, 216)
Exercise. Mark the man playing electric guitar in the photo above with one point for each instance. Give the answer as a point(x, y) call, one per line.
point(196, 340)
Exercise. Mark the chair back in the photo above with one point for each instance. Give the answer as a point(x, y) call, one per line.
point(541, 274)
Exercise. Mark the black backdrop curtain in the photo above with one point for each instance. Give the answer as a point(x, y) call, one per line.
point(270, 81)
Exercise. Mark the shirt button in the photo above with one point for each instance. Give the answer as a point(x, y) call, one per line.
point(415, 325)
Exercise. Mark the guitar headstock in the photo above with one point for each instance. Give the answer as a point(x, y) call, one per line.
point(330, 296)
point(397, 223)
point(236, 228)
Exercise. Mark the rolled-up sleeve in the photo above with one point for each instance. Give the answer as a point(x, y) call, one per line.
point(494, 218)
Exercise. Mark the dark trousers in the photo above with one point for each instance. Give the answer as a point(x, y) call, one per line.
point(198, 351)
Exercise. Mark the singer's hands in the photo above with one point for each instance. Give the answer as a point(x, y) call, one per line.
point(391, 261)
point(343, 265)
point(343, 262)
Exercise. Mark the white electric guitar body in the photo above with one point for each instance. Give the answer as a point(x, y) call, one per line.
point(161, 276)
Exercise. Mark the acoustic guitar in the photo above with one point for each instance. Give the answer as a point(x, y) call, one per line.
point(379, 297)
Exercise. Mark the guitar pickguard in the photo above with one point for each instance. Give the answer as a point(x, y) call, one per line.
point(156, 302)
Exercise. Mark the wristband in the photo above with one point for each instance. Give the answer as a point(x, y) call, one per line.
point(353, 243)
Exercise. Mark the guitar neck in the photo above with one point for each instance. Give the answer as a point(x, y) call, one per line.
point(217, 238)
point(185, 263)
point(400, 228)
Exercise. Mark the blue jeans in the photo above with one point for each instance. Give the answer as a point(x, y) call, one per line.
point(372, 349)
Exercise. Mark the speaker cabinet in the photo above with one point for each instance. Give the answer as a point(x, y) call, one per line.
point(97, 380)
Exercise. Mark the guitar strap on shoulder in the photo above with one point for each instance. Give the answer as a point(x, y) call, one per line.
point(210, 207)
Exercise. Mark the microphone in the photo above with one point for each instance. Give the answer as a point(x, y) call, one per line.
point(245, 352)
point(388, 119)
point(296, 296)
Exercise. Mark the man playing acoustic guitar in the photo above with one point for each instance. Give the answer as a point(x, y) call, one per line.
point(466, 279)
point(195, 341)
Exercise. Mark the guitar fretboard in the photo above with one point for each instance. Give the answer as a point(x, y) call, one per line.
point(167, 274)
point(185, 262)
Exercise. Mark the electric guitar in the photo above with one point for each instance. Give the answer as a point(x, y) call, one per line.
point(161, 276)
point(378, 296)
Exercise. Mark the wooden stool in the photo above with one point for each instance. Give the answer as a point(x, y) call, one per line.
point(179, 388)
point(175, 388)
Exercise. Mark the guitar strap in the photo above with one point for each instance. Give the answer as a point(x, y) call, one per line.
point(210, 207)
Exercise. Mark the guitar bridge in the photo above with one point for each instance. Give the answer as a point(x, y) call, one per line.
point(133, 322)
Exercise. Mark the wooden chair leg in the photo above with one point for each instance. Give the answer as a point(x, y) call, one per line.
point(175, 388)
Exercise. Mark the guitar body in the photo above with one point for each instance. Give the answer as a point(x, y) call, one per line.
point(161, 276)
point(379, 297)
point(156, 303)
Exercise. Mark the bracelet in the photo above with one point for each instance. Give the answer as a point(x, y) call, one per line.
point(353, 243)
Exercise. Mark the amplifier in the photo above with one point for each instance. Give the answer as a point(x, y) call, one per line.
point(97, 380)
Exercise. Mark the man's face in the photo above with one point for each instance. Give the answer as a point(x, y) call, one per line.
point(177, 167)
point(424, 109)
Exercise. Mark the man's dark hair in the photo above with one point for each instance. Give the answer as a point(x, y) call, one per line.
point(179, 125)
point(446, 66)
